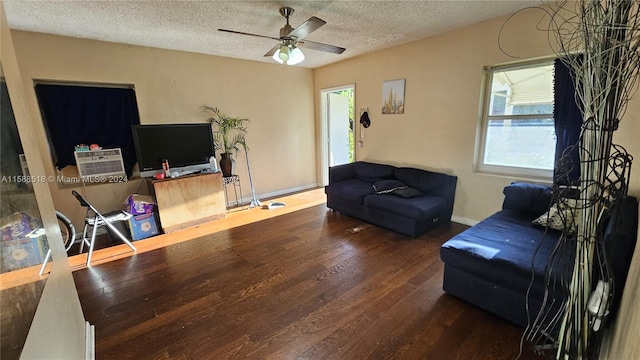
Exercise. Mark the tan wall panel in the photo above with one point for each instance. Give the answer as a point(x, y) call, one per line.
point(170, 87)
point(438, 129)
point(442, 98)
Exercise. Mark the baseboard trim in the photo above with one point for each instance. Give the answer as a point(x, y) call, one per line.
point(464, 220)
point(248, 199)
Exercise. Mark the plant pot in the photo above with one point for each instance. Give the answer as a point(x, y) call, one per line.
point(226, 164)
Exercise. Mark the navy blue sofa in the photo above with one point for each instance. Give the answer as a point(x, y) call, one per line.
point(406, 200)
point(490, 264)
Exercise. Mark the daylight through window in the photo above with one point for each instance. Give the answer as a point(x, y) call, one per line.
point(518, 128)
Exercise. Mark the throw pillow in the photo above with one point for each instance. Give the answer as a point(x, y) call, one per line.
point(407, 192)
point(560, 214)
point(387, 186)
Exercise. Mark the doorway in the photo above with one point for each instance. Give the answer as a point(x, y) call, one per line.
point(337, 106)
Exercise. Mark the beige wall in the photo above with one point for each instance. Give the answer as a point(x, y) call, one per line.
point(443, 82)
point(438, 129)
point(170, 87)
point(622, 341)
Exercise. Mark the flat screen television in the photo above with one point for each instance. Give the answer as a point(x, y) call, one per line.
point(187, 147)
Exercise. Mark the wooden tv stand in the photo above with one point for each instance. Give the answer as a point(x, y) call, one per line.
point(189, 200)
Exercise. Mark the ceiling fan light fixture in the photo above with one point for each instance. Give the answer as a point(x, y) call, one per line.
point(295, 57)
point(284, 52)
point(288, 54)
point(276, 57)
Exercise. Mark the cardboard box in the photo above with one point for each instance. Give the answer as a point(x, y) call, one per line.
point(17, 226)
point(22, 253)
point(136, 204)
point(143, 226)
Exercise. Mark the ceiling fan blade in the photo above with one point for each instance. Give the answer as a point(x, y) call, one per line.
point(272, 51)
point(249, 34)
point(306, 28)
point(321, 47)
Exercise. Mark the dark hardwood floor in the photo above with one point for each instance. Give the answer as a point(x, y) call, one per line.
point(313, 284)
point(17, 309)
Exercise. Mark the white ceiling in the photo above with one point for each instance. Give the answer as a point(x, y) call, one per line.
point(359, 26)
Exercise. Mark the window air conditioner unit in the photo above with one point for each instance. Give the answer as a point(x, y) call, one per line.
point(100, 165)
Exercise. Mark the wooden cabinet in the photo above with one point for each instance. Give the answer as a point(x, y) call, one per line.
point(189, 200)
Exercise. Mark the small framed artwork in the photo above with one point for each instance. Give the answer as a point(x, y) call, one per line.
point(393, 97)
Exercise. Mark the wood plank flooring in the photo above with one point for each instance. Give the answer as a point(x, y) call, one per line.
point(18, 306)
point(311, 284)
point(235, 217)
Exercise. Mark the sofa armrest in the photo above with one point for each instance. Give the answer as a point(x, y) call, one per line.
point(341, 172)
point(620, 241)
point(449, 192)
point(527, 198)
point(431, 183)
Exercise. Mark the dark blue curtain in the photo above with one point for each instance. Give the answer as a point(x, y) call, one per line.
point(10, 144)
point(568, 123)
point(89, 115)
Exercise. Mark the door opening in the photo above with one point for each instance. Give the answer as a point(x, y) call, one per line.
point(338, 127)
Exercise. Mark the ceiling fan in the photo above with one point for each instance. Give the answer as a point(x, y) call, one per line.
point(287, 51)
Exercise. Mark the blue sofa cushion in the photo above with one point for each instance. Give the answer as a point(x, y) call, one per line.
point(527, 198)
point(419, 208)
point(407, 192)
point(502, 248)
point(353, 190)
point(387, 186)
point(426, 181)
point(371, 172)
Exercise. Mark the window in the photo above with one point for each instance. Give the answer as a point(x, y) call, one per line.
point(85, 113)
point(518, 134)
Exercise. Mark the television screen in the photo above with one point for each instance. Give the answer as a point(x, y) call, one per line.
point(185, 146)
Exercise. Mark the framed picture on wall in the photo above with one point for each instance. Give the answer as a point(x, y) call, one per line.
point(393, 97)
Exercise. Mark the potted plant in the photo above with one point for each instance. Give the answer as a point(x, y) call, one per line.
point(228, 135)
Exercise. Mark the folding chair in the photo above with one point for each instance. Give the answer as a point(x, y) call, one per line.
point(95, 219)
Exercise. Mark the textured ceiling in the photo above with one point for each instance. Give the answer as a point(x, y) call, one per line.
point(358, 26)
